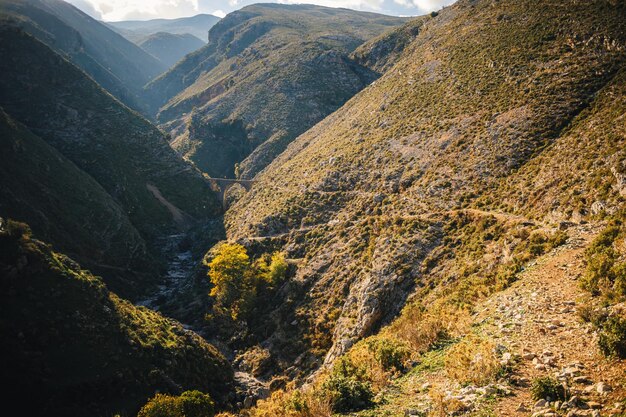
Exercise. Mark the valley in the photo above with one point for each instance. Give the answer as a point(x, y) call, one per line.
point(306, 211)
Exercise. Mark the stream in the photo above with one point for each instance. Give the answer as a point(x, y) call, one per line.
point(180, 266)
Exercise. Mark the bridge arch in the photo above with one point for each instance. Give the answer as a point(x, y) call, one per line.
point(222, 185)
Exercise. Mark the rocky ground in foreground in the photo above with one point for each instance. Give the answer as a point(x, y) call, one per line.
point(536, 329)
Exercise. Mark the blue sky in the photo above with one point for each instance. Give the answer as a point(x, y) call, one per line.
point(111, 10)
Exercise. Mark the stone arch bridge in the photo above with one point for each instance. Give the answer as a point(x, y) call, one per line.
point(222, 185)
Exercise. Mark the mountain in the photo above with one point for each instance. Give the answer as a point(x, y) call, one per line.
point(138, 30)
point(80, 350)
point(170, 48)
point(268, 73)
point(499, 123)
point(136, 189)
point(119, 66)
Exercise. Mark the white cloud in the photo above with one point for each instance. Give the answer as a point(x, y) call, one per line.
point(219, 13)
point(112, 10)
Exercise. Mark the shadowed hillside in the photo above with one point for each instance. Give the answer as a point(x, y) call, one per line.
point(170, 48)
point(78, 349)
point(119, 66)
point(138, 30)
point(117, 148)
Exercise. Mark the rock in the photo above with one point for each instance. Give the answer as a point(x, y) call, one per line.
point(540, 404)
point(573, 401)
point(594, 405)
point(598, 207)
point(620, 179)
point(413, 412)
point(603, 388)
point(582, 380)
point(521, 408)
point(248, 402)
point(528, 356)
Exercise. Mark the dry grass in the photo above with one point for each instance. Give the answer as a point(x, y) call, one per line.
point(423, 329)
point(292, 403)
point(443, 406)
point(473, 361)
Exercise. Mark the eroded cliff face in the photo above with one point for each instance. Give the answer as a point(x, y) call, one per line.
point(368, 201)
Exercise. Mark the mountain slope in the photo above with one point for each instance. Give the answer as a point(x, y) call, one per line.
point(67, 206)
point(128, 157)
point(138, 30)
point(118, 65)
point(170, 48)
point(391, 195)
point(78, 349)
point(268, 73)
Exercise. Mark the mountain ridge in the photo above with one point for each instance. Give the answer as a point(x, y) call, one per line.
point(268, 73)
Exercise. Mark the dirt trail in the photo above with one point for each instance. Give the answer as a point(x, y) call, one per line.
point(537, 319)
point(181, 218)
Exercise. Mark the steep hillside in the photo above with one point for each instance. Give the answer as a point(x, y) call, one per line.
point(441, 180)
point(131, 161)
point(70, 347)
point(82, 218)
point(170, 48)
point(138, 30)
point(118, 65)
point(379, 54)
point(268, 73)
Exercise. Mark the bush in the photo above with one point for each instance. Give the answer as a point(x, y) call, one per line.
point(547, 388)
point(347, 393)
point(473, 360)
point(188, 404)
point(613, 337)
point(423, 330)
point(391, 354)
point(604, 273)
point(273, 270)
point(298, 403)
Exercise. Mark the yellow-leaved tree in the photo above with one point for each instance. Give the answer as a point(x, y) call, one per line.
point(237, 280)
point(231, 274)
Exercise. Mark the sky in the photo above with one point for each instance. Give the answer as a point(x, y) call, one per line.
point(114, 10)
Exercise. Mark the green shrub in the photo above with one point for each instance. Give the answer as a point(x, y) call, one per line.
point(613, 337)
point(188, 404)
point(347, 393)
point(547, 387)
point(161, 405)
point(604, 274)
point(197, 404)
point(390, 353)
